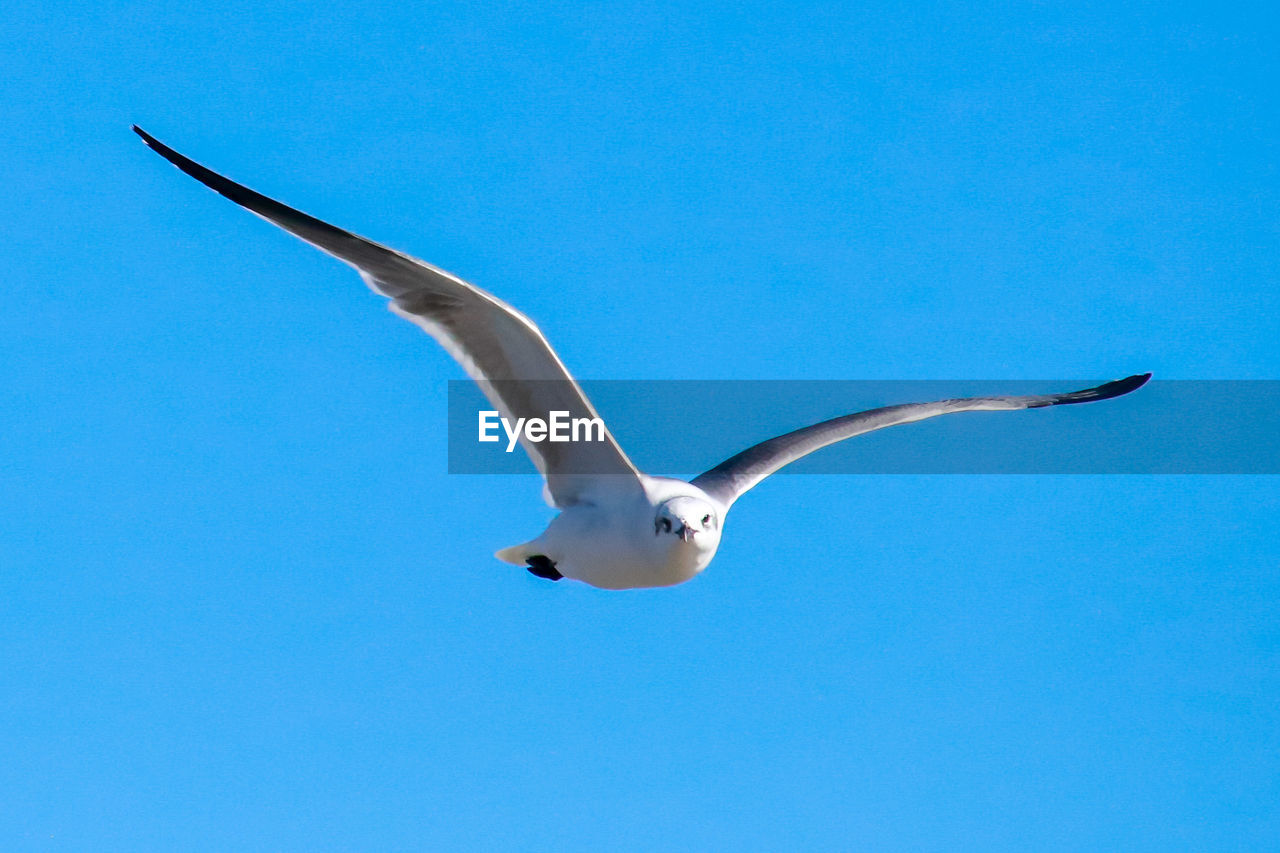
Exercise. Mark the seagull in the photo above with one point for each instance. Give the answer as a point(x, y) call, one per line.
point(617, 528)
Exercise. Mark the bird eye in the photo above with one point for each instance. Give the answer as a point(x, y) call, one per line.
point(706, 519)
point(666, 524)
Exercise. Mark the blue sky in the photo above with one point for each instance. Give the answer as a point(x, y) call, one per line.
point(242, 605)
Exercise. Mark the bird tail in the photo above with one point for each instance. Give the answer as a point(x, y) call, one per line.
point(516, 555)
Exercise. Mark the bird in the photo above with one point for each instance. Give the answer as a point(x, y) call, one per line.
point(617, 528)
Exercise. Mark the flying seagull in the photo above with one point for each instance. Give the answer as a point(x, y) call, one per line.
point(618, 528)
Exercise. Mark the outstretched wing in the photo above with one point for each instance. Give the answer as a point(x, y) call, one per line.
point(730, 479)
point(498, 346)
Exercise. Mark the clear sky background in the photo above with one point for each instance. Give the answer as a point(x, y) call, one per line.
point(243, 607)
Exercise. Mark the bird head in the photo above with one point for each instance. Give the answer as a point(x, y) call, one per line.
point(691, 520)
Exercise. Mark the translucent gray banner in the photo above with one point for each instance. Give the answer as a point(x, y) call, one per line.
point(682, 428)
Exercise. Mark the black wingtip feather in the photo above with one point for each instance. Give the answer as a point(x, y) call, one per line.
point(295, 221)
point(1121, 386)
point(1118, 388)
point(209, 178)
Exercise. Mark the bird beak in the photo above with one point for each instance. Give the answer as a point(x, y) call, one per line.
point(686, 533)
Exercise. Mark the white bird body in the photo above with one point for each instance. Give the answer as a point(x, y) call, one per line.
point(612, 540)
point(618, 528)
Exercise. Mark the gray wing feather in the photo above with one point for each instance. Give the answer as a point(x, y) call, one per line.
point(498, 346)
point(727, 481)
